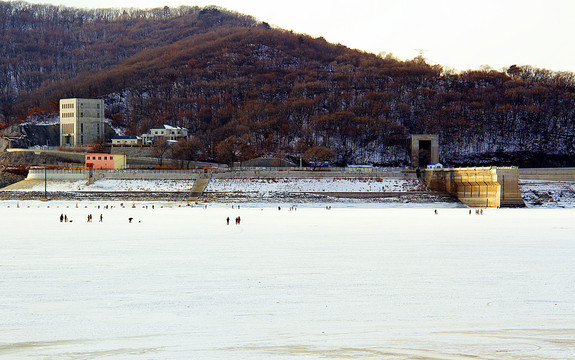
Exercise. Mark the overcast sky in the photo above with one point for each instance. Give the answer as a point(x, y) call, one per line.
point(458, 34)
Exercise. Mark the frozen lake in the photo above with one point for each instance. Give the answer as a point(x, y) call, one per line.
point(377, 283)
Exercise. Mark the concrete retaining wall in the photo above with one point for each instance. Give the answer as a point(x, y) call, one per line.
point(549, 174)
point(57, 175)
point(64, 156)
point(146, 174)
point(304, 174)
point(72, 175)
point(132, 151)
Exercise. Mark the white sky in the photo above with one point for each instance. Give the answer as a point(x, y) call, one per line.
point(459, 34)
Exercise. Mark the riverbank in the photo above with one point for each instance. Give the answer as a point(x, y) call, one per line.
point(535, 193)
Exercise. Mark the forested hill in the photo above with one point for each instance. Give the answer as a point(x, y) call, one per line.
point(251, 90)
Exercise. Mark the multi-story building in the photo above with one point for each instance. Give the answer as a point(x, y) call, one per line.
point(170, 133)
point(81, 121)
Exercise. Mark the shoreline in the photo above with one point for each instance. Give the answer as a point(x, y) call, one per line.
point(233, 197)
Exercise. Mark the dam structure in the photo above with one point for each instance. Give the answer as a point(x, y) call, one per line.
point(491, 187)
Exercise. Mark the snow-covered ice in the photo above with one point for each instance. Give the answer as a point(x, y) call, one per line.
point(381, 283)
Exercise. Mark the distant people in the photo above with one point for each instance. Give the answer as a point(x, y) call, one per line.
point(130, 220)
point(65, 218)
point(228, 220)
point(279, 208)
point(61, 217)
point(238, 220)
point(101, 218)
point(435, 211)
point(469, 211)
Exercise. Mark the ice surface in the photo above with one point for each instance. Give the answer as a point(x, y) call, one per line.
point(178, 283)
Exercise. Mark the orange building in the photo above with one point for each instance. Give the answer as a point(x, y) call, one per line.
point(105, 161)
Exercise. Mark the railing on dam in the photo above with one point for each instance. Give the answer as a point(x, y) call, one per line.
point(39, 173)
point(128, 174)
point(306, 172)
point(147, 174)
point(547, 174)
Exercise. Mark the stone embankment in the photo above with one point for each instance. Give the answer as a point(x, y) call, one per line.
point(7, 179)
point(91, 195)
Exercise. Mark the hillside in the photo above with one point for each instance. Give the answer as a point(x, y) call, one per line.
point(245, 89)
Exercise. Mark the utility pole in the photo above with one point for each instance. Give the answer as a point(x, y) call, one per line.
point(45, 184)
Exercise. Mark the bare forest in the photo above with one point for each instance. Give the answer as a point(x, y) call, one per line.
point(245, 89)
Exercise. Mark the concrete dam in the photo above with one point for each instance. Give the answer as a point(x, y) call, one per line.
point(479, 186)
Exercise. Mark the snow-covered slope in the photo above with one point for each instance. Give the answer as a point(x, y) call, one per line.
point(268, 185)
point(548, 193)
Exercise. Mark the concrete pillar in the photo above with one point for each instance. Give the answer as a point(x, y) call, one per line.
point(415, 147)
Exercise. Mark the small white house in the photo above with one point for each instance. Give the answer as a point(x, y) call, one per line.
point(435, 166)
point(165, 131)
point(127, 140)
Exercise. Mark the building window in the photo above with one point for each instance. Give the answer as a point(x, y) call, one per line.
point(81, 114)
point(111, 158)
point(105, 158)
point(97, 106)
point(99, 158)
point(82, 128)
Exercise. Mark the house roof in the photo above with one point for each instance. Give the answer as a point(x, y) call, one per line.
point(167, 127)
point(134, 137)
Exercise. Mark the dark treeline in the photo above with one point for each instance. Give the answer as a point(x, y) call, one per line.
point(245, 90)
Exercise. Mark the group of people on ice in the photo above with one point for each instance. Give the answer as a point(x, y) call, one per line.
point(90, 218)
point(238, 220)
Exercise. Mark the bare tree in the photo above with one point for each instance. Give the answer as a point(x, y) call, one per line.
point(188, 150)
point(160, 149)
